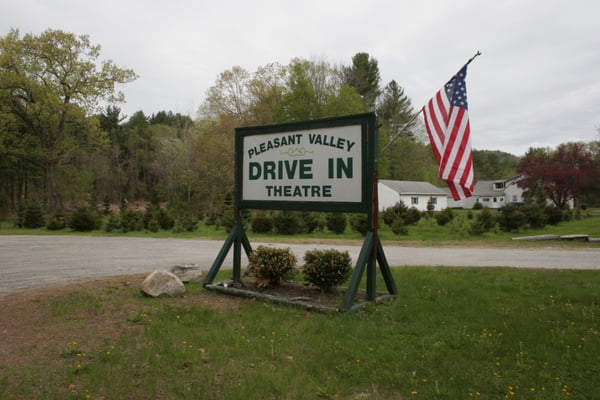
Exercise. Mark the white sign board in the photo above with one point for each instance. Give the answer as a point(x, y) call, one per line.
point(317, 165)
point(310, 165)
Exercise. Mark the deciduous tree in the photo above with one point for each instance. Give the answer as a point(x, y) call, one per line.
point(49, 86)
point(563, 174)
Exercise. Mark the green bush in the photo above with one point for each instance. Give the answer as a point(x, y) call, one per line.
point(336, 222)
point(132, 221)
point(56, 222)
point(391, 214)
point(286, 222)
point(261, 223)
point(270, 266)
point(359, 223)
point(554, 215)
point(484, 222)
point(33, 217)
point(185, 223)
point(511, 218)
point(534, 216)
point(309, 221)
point(444, 217)
point(83, 220)
point(326, 269)
point(156, 218)
point(153, 225)
point(399, 227)
point(113, 223)
point(400, 212)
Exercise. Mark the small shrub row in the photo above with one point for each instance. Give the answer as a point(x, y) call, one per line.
point(325, 269)
point(287, 222)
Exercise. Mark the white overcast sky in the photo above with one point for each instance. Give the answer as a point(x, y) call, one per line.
point(536, 84)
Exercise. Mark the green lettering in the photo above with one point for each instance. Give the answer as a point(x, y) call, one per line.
point(306, 169)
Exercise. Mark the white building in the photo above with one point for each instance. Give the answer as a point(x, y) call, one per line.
point(412, 194)
point(492, 194)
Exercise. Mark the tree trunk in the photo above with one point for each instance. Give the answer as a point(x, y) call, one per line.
point(51, 194)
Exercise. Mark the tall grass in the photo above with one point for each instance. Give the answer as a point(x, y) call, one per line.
point(451, 334)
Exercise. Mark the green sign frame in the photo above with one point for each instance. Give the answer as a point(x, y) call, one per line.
point(307, 158)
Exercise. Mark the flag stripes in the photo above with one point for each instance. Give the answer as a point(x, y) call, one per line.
point(447, 123)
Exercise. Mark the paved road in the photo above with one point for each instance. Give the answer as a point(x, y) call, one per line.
point(27, 261)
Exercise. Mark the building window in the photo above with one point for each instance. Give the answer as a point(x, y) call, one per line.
point(414, 200)
point(515, 198)
point(498, 185)
point(433, 200)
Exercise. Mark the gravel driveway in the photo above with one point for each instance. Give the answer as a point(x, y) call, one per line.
point(28, 261)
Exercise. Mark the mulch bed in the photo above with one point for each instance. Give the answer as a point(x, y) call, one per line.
point(307, 296)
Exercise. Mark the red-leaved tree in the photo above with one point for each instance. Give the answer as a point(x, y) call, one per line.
point(559, 175)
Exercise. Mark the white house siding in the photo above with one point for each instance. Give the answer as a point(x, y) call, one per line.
point(387, 197)
point(412, 194)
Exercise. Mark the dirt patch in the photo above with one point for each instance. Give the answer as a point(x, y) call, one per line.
point(37, 324)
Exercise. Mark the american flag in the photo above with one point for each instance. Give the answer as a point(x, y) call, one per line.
point(447, 123)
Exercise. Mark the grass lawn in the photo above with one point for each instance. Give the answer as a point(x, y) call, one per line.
point(451, 334)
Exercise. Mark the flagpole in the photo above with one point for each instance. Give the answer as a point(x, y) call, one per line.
point(389, 143)
point(472, 58)
point(410, 121)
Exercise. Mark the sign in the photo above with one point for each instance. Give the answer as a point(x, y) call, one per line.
point(319, 165)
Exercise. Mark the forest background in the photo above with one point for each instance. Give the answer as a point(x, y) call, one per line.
point(64, 142)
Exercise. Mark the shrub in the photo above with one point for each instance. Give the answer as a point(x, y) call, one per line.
point(286, 222)
point(412, 216)
point(83, 220)
point(113, 223)
point(326, 269)
point(359, 223)
point(511, 218)
point(484, 222)
point(185, 223)
point(554, 214)
point(156, 218)
point(132, 221)
point(477, 206)
point(165, 220)
point(444, 216)
point(56, 222)
point(336, 222)
point(390, 214)
point(399, 227)
point(33, 217)
point(534, 216)
point(400, 212)
point(309, 221)
point(261, 223)
point(211, 220)
point(153, 225)
point(270, 265)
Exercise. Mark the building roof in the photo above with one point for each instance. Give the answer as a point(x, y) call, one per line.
point(486, 189)
point(413, 187)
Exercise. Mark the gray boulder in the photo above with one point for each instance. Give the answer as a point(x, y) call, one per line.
point(162, 283)
point(187, 273)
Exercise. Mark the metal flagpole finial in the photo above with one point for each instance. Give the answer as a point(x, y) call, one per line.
point(472, 58)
